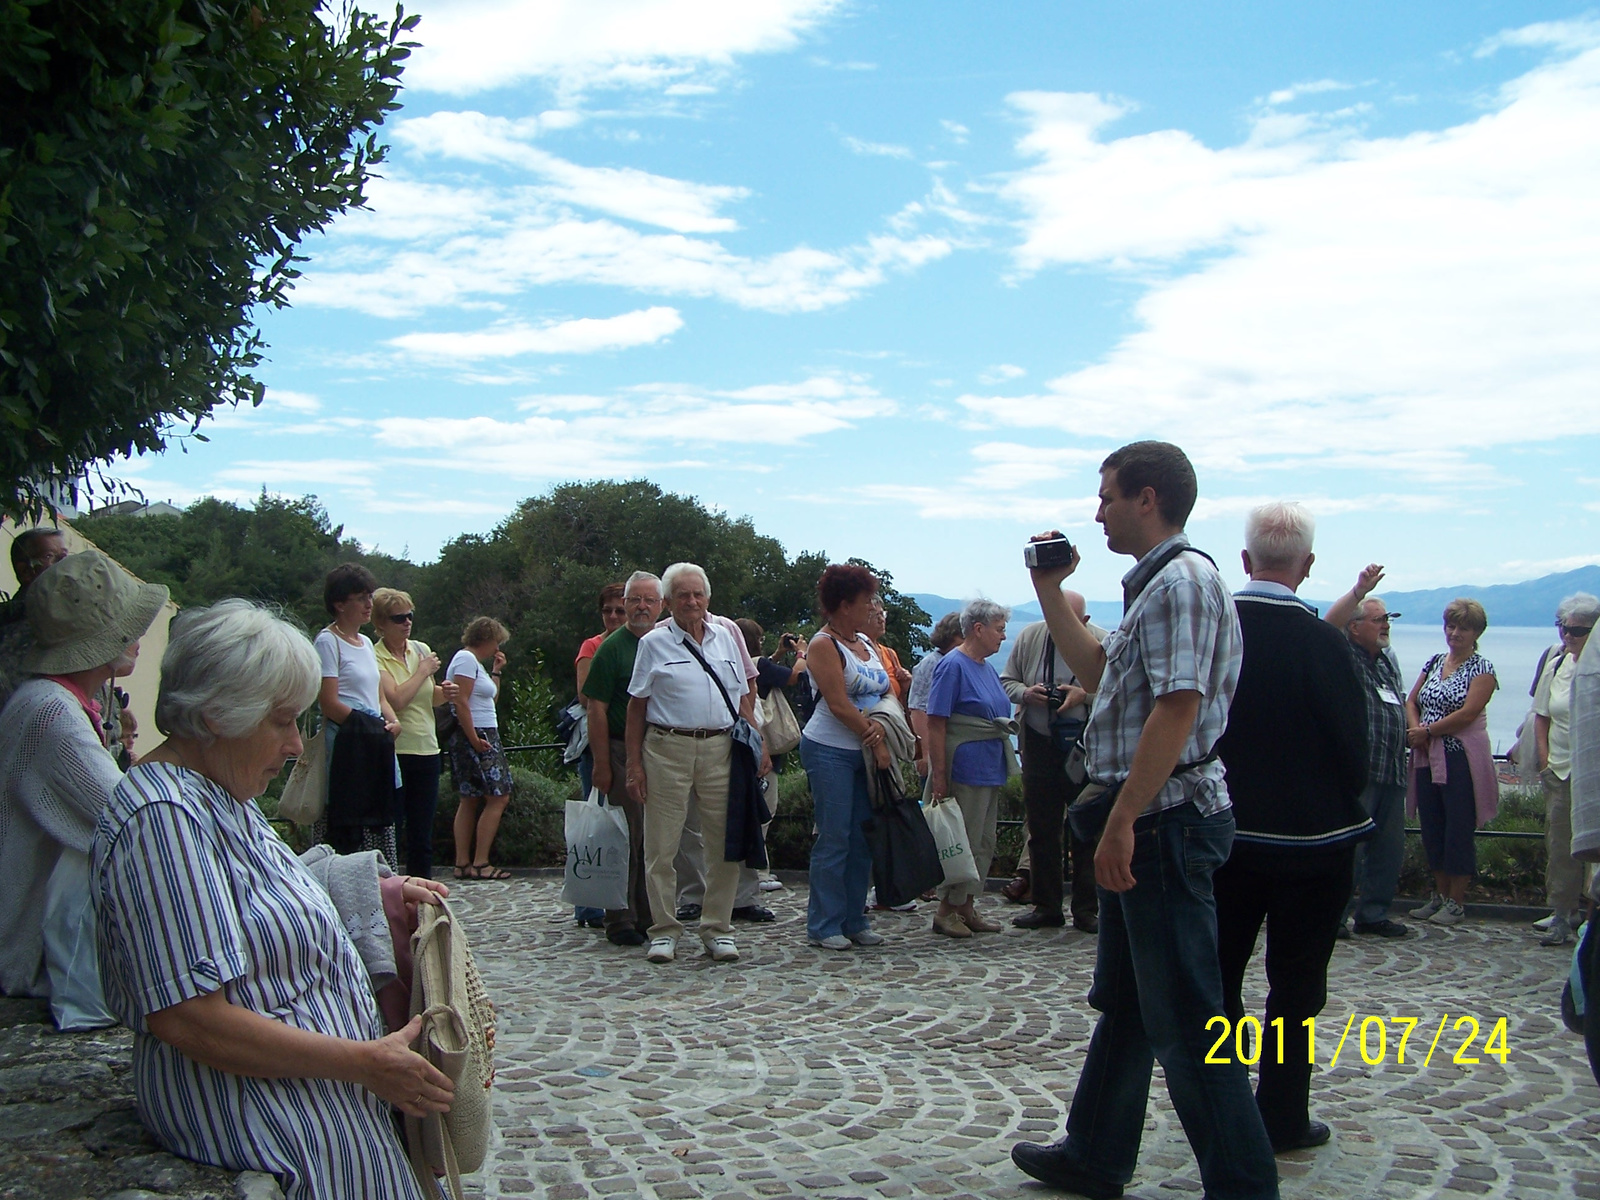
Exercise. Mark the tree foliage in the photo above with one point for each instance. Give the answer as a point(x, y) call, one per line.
point(540, 571)
point(160, 160)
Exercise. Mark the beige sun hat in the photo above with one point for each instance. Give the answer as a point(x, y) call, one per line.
point(83, 612)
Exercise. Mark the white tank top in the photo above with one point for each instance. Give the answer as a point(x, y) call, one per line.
point(864, 682)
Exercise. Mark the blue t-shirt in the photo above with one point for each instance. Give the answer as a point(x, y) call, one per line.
point(963, 685)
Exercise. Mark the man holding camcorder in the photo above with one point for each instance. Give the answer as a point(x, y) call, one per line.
point(1165, 679)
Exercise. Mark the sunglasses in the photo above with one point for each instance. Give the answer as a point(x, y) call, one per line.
point(402, 618)
point(1577, 631)
point(608, 611)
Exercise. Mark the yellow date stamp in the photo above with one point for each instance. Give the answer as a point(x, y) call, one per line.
point(1247, 1040)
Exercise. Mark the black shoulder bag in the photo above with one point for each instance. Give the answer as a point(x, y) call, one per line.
point(747, 801)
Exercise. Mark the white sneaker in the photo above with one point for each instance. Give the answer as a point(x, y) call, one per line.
point(722, 949)
point(771, 885)
point(1541, 926)
point(662, 950)
point(1450, 913)
point(866, 937)
point(1434, 904)
point(837, 942)
point(1559, 933)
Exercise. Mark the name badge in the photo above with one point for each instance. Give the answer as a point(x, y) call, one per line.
point(1387, 695)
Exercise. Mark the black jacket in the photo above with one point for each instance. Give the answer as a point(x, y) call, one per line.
point(360, 781)
point(1296, 743)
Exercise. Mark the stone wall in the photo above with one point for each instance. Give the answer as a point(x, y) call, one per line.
point(68, 1130)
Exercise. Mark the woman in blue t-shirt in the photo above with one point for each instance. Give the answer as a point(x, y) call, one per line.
point(970, 762)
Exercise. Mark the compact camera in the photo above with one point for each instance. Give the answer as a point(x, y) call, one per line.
point(1054, 696)
point(1055, 552)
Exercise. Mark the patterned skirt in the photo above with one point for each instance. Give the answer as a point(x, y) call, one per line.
point(486, 774)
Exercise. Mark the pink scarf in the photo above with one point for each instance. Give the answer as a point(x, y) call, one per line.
point(1480, 759)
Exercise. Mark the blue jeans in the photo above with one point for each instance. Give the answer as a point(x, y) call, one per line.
point(841, 863)
point(1156, 984)
point(1378, 858)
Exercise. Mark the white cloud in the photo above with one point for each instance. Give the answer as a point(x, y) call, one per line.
point(957, 131)
point(505, 258)
point(875, 149)
point(640, 428)
point(1314, 87)
point(474, 45)
point(585, 335)
point(271, 472)
point(300, 402)
point(1001, 372)
point(625, 192)
point(1327, 299)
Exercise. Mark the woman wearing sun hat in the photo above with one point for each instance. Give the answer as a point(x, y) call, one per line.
point(86, 615)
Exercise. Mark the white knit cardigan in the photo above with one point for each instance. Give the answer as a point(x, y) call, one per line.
point(55, 779)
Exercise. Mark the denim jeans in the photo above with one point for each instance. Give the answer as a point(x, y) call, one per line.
point(1156, 984)
point(841, 863)
point(1378, 859)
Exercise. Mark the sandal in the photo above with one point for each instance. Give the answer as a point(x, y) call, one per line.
point(462, 870)
point(485, 871)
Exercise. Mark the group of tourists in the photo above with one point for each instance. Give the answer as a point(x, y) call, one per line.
point(1214, 765)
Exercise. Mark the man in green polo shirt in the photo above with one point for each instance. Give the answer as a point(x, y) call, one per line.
point(605, 694)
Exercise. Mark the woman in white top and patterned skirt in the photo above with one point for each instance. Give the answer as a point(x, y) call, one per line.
point(482, 775)
point(361, 803)
point(258, 1044)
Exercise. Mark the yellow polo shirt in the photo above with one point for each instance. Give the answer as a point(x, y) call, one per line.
point(417, 735)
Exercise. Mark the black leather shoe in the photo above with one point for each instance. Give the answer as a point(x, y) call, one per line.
point(1384, 928)
point(1039, 919)
point(688, 912)
point(753, 912)
point(1086, 923)
point(626, 937)
point(1342, 934)
point(1316, 1134)
point(1049, 1164)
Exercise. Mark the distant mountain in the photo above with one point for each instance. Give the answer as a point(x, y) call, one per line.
point(1532, 602)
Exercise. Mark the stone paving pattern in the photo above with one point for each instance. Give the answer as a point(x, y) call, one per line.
point(909, 1069)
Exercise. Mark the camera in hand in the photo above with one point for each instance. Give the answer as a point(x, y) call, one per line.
point(1054, 552)
point(1054, 696)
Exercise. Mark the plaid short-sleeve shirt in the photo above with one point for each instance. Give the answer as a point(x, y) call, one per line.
point(1180, 633)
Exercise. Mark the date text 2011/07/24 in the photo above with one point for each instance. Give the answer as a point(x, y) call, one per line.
point(1249, 1040)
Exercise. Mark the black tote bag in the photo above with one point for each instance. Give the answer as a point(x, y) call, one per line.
point(905, 860)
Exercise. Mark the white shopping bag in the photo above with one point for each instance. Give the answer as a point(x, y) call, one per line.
point(950, 835)
point(597, 854)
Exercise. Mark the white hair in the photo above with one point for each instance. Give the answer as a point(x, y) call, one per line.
point(1580, 606)
point(228, 667)
point(641, 577)
point(1278, 535)
point(982, 611)
point(670, 577)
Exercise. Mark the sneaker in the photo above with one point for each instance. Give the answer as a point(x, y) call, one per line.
point(1545, 924)
point(1559, 933)
point(1426, 911)
point(722, 949)
point(771, 885)
point(662, 950)
point(1450, 913)
point(865, 937)
point(1384, 928)
point(837, 941)
point(981, 924)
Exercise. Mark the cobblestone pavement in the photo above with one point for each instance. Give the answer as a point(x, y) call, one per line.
point(909, 1069)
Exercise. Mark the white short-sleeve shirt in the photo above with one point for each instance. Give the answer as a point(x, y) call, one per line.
point(680, 692)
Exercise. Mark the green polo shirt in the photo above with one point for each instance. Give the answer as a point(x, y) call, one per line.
point(609, 674)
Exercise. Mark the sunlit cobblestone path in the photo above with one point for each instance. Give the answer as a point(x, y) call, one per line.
point(909, 1069)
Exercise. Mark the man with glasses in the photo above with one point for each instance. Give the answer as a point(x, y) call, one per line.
point(1365, 620)
point(605, 693)
point(31, 552)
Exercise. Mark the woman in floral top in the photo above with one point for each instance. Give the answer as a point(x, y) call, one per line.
point(1453, 789)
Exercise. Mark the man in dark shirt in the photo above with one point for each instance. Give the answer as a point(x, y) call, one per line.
point(1296, 754)
point(605, 692)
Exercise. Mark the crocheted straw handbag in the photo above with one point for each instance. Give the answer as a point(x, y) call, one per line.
point(457, 1037)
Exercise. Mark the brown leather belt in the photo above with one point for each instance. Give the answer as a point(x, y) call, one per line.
point(697, 734)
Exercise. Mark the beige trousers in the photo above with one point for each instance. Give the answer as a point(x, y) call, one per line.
point(1563, 874)
point(674, 769)
point(980, 809)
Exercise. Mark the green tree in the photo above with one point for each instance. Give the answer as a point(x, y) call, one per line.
point(160, 160)
point(906, 621)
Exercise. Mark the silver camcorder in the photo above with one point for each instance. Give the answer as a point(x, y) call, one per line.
point(1056, 552)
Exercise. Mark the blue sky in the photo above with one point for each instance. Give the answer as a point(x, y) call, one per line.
point(892, 279)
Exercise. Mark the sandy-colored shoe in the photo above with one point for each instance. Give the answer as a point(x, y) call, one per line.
point(980, 924)
point(951, 925)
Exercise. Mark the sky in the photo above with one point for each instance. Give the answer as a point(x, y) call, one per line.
point(892, 279)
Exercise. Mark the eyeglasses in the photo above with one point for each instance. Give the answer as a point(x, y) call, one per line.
point(1576, 631)
point(608, 611)
point(401, 618)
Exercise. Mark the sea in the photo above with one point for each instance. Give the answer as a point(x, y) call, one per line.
point(1513, 649)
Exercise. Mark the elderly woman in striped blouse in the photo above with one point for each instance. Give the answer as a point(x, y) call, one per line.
point(258, 1042)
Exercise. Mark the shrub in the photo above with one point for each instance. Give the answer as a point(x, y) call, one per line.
point(533, 830)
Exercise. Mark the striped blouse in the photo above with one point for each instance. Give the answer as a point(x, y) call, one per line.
point(196, 892)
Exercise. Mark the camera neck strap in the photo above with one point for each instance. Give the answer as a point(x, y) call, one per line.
point(688, 644)
point(1130, 594)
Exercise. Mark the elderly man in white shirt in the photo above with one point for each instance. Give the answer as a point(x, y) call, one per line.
point(679, 744)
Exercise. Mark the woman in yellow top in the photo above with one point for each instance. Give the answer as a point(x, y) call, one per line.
point(405, 673)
